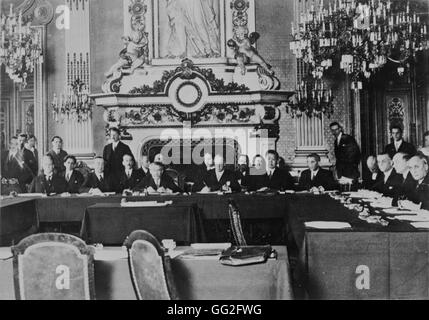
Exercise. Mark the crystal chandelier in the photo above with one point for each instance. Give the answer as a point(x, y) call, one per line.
point(312, 98)
point(73, 104)
point(20, 48)
point(360, 35)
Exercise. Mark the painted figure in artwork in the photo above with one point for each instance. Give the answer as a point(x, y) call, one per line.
point(134, 52)
point(244, 52)
point(194, 30)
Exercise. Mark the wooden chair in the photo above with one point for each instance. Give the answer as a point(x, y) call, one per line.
point(53, 266)
point(235, 222)
point(150, 269)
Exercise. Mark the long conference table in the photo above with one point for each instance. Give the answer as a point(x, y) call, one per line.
point(368, 261)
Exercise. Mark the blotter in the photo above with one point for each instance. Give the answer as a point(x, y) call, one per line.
point(327, 225)
point(245, 255)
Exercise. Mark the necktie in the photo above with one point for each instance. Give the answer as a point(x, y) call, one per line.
point(68, 177)
point(100, 178)
point(312, 175)
point(270, 175)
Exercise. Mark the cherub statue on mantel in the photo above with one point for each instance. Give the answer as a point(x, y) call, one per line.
point(134, 52)
point(244, 52)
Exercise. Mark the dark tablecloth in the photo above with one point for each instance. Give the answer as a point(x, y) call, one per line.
point(18, 219)
point(110, 223)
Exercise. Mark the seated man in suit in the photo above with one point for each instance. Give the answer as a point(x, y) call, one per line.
point(400, 163)
point(97, 182)
point(274, 178)
point(74, 179)
point(372, 174)
point(157, 181)
point(144, 164)
point(419, 197)
point(243, 170)
point(315, 178)
point(48, 181)
point(130, 177)
point(398, 144)
point(391, 182)
point(218, 179)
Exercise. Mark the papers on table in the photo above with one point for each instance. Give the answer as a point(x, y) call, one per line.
point(397, 211)
point(416, 218)
point(420, 225)
point(382, 203)
point(327, 225)
point(221, 246)
point(198, 254)
point(145, 204)
point(367, 194)
point(26, 195)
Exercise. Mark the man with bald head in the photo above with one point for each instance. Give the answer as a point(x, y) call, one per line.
point(418, 166)
point(48, 181)
point(372, 174)
point(390, 182)
point(157, 181)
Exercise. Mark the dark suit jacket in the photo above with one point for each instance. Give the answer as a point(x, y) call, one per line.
point(12, 169)
point(323, 178)
point(405, 147)
point(114, 159)
point(242, 177)
point(347, 154)
point(75, 183)
point(280, 180)
point(406, 189)
point(420, 194)
point(210, 180)
point(56, 185)
point(393, 185)
point(367, 181)
point(32, 160)
point(58, 160)
point(92, 182)
point(125, 183)
point(166, 182)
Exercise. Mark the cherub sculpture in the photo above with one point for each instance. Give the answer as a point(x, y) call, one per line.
point(134, 52)
point(244, 52)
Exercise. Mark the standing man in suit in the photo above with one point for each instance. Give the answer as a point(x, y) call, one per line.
point(113, 154)
point(97, 182)
point(391, 182)
point(219, 178)
point(419, 197)
point(315, 178)
point(398, 144)
point(130, 177)
point(24, 156)
point(157, 181)
point(48, 181)
point(34, 156)
point(74, 179)
point(347, 153)
point(58, 154)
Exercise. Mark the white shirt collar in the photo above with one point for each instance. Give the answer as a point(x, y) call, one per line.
point(219, 174)
point(387, 175)
point(69, 173)
point(398, 144)
point(339, 137)
point(374, 175)
point(128, 172)
point(115, 144)
point(405, 174)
